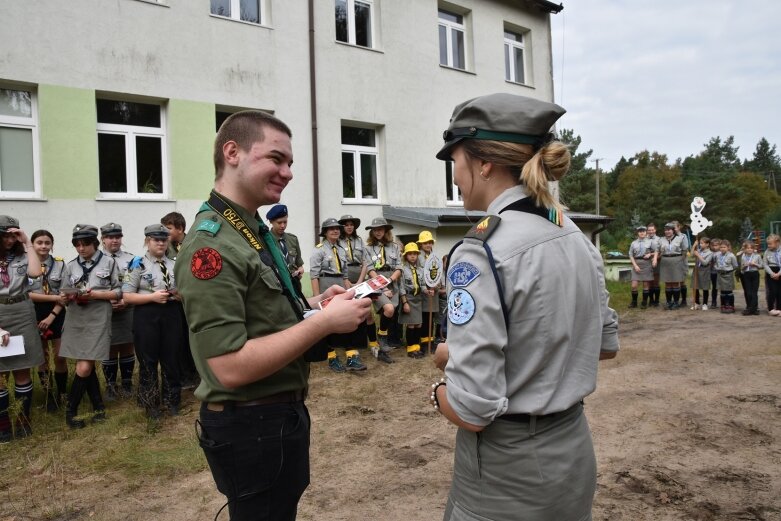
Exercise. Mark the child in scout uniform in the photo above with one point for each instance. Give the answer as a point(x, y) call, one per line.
point(750, 266)
point(17, 317)
point(714, 275)
point(726, 263)
point(430, 295)
point(704, 256)
point(356, 271)
point(685, 233)
point(643, 257)
point(122, 356)
point(411, 288)
point(91, 282)
point(772, 262)
point(150, 286)
point(176, 224)
point(328, 267)
point(50, 316)
point(383, 257)
point(288, 243)
point(671, 249)
point(654, 288)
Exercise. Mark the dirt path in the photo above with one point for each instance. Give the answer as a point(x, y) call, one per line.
point(685, 421)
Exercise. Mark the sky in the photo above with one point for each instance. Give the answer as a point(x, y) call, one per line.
point(668, 75)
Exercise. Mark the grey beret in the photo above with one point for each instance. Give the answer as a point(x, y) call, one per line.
point(500, 117)
point(158, 231)
point(85, 231)
point(111, 229)
point(6, 221)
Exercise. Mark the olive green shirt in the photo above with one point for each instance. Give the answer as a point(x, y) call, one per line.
point(236, 298)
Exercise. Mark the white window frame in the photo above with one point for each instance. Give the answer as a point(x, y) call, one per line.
point(235, 15)
point(513, 45)
point(31, 124)
point(456, 199)
point(130, 132)
point(357, 151)
point(351, 23)
point(450, 27)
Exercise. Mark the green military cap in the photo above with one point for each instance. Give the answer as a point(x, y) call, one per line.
point(6, 221)
point(329, 223)
point(158, 231)
point(501, 117)
point(355, 220)
point(85, 231)
point(379, 222)
point(111, 229)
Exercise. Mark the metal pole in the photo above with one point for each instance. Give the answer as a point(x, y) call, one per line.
point(597, 160)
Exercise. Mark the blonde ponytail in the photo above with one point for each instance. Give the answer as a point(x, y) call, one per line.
point(549, 163)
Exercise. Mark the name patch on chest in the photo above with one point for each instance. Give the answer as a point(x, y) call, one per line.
point(460, 307)
point(462, 274)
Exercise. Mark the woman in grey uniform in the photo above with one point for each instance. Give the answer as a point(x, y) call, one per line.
point(91, 282)
point(383, 257)
point(701, 275)
point(521, 360)
point(50, 315)
point(150, 287)
point(355, 249)
point(17, 317)
point(121, 321)
point(671, 248)
point(411, 293)
point(643, 257)
point(328, 267)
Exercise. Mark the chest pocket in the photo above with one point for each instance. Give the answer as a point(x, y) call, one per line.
point(104, 278)
point(20, 268)
point(269, 279)
point(392, 258)
point(148, 281)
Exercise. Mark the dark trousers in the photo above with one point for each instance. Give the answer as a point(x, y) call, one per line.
point(157, 333)
point(750, 281)
point(259, 458)
point(773, 291)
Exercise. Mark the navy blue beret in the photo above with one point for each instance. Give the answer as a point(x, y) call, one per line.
point(277, 211)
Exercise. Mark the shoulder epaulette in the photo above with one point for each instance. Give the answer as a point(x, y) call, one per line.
point(209, 226)
point(137, 262)
point(59, 259)
point(319, 245)
point(204, 208)
point(484, 228)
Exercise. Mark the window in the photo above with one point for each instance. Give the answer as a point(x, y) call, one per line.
point(359, 164)
point(452, 45)
point(354, 22)
point(453, 193)
point(514, 62)
point(131, 149)
point(18, 144)
point(245, 10)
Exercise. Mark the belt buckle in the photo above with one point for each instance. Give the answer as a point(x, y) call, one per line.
point(215, 406)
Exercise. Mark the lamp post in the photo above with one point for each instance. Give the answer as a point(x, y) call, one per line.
point(597, 160)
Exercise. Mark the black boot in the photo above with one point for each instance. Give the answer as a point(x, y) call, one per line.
point(634, 300)
point(78, 387)
point(93, 391)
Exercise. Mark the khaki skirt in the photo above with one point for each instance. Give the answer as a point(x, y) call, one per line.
point(646, 270)
point(19, 319)
point(86, 334)
point(515, 472)
point(725, 280)
point(670, 270)
point(415, 315)
point(702, 276)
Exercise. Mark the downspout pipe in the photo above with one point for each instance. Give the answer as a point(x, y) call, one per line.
point(313, 109)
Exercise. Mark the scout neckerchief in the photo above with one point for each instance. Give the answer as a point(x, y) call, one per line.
point(283, 247)
point(380, 262)
point(337, 264)
point(5, 277)
point(267, 250)
point(85, 271)
point(45, 271)
point(166, 276)
point(415, 283)
point(350, 248)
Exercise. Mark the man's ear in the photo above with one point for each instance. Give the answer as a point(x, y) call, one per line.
point(230, 152)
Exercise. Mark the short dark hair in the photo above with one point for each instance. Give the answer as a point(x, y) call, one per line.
point(41, 233)
point(175, 219)
point(245, 128)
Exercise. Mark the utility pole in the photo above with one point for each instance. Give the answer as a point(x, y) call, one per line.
point(597, 160)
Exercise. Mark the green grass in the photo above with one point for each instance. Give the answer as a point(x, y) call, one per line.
point(620, 295)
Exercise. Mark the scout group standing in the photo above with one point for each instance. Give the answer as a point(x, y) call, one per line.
point(664, 260)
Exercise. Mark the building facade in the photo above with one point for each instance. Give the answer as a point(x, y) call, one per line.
point(108, 109)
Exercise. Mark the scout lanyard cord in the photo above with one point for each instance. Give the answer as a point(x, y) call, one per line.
point(86, 271)
point(270, 255)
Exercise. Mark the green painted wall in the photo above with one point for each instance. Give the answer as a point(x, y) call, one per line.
point(190, 141)
point(69, 144)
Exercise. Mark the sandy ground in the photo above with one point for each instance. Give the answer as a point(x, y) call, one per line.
point(685, 422)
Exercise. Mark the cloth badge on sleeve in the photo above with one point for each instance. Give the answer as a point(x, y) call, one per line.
point(206, 263)
point(462, 274)
point(460, 307)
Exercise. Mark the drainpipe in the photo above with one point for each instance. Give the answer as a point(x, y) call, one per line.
point(597, 232)
point(313, 108)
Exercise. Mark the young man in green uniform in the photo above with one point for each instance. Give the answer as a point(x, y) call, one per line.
point(248, 333)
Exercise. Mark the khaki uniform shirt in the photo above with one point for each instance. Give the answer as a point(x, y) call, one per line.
point(545, 360)
point(293, 257)
point(237, 298)
point(173, 248)
point(148, 276)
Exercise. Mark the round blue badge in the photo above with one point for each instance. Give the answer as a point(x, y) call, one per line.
point(460, 307)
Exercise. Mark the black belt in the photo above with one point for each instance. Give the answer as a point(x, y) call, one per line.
point(331, 275)
point(724, 271)
point(640, 258)
point(15, 299)
point(283, 397)
point(526, 418)
point(672, 255)
point(353, 263)
point(383, 269)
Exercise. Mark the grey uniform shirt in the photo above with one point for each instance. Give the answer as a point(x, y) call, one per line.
point(640, 247)
point(546, 359)
point(725, 261)
point(746, 259)
point(383, 257)
point(771, 258)
point(323, 262)
point(51, 277)
point(672, 247)
point(104, 275)
point(410, 279)
point(148, 276)
point(354, 248)
point(707, 257)
point(19, 283)
point(123, 260)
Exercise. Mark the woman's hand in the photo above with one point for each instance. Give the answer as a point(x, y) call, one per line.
point(441, 355)
point(5, 337)
point(405, 307)
point(160, 296)
point(44, 324)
